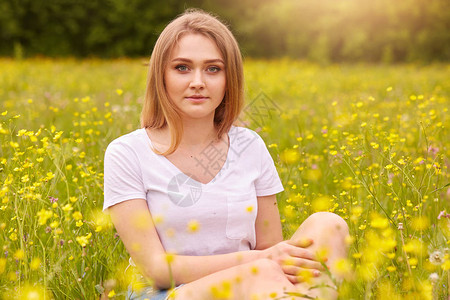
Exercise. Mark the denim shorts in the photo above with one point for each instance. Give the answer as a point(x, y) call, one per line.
point(146, 292)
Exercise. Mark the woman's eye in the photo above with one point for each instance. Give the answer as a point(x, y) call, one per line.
point(213, 69)
point(181, 68)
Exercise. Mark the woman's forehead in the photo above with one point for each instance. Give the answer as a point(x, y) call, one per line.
point(195, 46)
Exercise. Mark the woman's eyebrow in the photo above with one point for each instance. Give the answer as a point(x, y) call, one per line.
point(208, 61)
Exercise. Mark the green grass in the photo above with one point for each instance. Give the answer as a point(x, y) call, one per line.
point(368, 142)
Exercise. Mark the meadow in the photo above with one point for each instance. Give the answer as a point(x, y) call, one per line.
point(367, 142)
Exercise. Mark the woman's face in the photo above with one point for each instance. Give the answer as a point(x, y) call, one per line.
point(195, 77)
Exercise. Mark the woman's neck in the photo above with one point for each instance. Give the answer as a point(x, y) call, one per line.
point(198, 134)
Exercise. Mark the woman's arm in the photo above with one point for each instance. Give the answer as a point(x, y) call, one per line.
point(292, 255)
point(134, 224)
point(268, 225)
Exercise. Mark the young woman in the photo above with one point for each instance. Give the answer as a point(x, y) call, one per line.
point(193, 197)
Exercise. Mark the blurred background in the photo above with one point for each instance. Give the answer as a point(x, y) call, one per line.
point(322, 31)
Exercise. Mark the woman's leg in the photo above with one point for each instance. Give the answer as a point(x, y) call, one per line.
point(264, 278)
point(328, 232)
point(261, 279)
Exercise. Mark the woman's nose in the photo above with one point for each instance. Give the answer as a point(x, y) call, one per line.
point(197, 80)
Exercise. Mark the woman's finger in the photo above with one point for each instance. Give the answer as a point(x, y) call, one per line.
point(303, 263)
point(290, 269)
point(302, 275)
point(293, 279)
point(309, 264)
point(294, 270)
point(301, 253)
point(302, 243)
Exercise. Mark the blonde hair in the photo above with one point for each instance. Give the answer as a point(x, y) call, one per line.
point(158, 110)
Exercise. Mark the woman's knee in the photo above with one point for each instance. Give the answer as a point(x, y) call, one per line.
point(329, 221)
point(268, 268)
point(266, 265)
point(270, 278)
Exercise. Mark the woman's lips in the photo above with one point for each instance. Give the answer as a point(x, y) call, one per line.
point(197, 99)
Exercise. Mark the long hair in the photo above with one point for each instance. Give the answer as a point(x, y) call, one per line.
point(158, 110)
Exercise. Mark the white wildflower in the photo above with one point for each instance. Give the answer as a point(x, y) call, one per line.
point(434, 277)
point(437, 257)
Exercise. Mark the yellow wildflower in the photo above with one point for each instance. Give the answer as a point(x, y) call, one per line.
point(2, 265)
point(193, 226)
point(84, 240)
point(290, 156)
point(77, 215)
point(68, 207)
point(35, 263)
point(43, 216)
point(19, 254)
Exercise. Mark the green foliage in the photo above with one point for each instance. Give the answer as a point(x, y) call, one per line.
point(319, 30)
point(109, 28)
point(349, 30)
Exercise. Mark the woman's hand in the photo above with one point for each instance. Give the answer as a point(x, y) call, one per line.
point(298, 263)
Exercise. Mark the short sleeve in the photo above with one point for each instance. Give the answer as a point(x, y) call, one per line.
point(268, 182)
point(122, 175)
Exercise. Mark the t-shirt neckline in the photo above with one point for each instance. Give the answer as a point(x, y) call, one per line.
point(176, 169)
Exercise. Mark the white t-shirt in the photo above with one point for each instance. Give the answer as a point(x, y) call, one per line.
point(193, 218)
